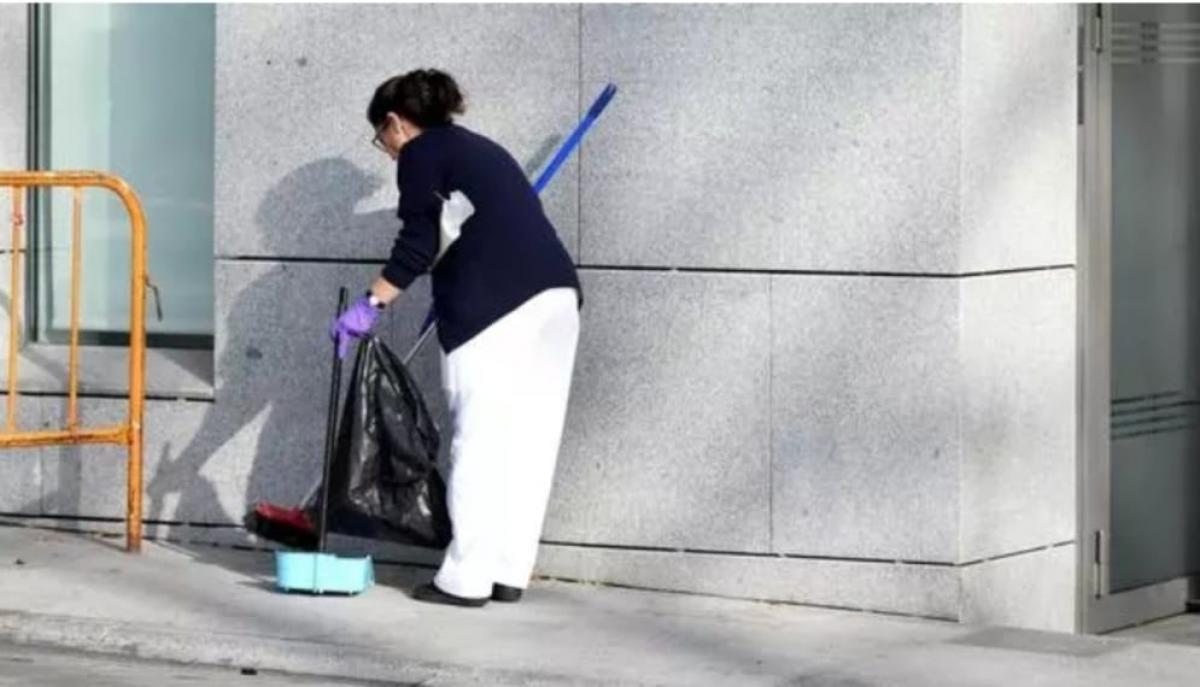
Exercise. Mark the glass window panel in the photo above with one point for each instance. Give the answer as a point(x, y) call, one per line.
point(128, 89)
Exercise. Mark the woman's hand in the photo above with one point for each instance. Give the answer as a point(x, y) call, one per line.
point(358, 321)
point(360, 318)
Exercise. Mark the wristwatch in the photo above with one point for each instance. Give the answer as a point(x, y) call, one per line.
point(375, 302)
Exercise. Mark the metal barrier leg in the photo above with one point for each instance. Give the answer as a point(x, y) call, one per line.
point(137, 366)
point(133, 515)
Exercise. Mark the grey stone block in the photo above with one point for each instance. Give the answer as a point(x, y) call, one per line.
point(312, 185)
point(1032, 590)
point(864, 388)
point(191, 477)
point(1018, 136)
point(20, 482)
point(20, 468)
point(1018, 411)
point(667, 438)
point(926, 590)
point(799, 137)
point(104, 370)
point(14, 73)
point(87, 481)
point(6, 309)
point(187, 476)
point(273, 365)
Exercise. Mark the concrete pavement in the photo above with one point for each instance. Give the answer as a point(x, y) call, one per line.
point(216, 606)
point(31, 666)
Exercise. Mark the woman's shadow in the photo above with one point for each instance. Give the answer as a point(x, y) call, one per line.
point(262, 375)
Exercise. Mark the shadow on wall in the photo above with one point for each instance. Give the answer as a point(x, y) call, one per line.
point(327, 192)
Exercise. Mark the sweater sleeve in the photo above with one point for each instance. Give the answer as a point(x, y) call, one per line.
point(419, 173)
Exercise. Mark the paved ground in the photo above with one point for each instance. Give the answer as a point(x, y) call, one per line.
point(217, 606)
point(26, 666)
point(1182, 629)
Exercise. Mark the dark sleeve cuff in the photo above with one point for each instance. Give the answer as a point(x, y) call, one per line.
point(399, 276)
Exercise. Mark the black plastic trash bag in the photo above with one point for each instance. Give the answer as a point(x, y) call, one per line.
point(384, 481)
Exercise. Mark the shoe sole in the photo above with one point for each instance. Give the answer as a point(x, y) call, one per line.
point(509, 595)
point(437, 596)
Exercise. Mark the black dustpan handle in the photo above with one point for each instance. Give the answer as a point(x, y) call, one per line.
point(335, 387)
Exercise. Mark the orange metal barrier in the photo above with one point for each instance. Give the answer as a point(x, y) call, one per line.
point(128, 434)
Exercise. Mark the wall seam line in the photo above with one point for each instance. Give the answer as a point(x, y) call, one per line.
point(745, 554)
point(1015, 554)
point(609, 548)
point(813, 272)
point(287, 259)
point(771, 413)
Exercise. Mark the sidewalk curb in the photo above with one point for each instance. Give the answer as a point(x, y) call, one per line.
point(167, 643)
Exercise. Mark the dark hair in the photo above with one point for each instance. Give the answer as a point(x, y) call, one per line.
point(425, 97)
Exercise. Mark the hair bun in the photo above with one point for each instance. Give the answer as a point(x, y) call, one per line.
point(444, 93)
point(425, 97)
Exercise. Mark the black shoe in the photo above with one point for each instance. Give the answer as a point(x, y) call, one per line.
point(506, 594)
point(431, 594)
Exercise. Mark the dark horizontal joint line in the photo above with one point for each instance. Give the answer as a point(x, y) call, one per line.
point(686, 270)
point(300, 260)
point(190, 396)
point(1013, 554)
point(743, 554)
point(827, 273)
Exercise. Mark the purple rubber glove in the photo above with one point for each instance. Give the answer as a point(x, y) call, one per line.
point(354, 324)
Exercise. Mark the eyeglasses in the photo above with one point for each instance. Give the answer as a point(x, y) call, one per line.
point(375, 140)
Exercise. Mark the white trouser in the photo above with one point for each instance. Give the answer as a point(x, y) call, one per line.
point(507, 390)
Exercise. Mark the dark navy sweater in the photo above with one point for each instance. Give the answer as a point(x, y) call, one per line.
point(508, 251)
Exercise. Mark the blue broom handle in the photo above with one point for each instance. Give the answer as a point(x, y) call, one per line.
point(564, 152)
point(576, 137)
